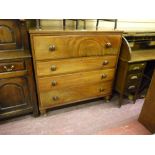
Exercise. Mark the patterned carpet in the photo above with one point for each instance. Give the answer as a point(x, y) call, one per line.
point(82, 119)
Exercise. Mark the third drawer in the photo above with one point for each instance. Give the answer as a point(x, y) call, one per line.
point(71, 80)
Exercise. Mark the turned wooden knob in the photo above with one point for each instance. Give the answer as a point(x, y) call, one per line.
point(54, 83)
point(105, 62)
point(108, 45)
point(101, 90)
point(53, 67)
point(52, 48)
point(103, 76)
point(55, 98)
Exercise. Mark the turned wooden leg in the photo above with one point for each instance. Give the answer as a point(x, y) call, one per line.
point(43, 112)
point(107, 98)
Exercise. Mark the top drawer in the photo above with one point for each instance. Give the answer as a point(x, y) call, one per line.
point(70, 46)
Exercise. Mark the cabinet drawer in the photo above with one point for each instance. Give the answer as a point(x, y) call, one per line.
point(74, 65)
point(137, 67)
point(72, 80)
point(11, 66)
point(71, 46)
point(134, 78)
point(68, 95)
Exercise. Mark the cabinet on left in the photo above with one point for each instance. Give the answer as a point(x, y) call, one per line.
point(17, 86)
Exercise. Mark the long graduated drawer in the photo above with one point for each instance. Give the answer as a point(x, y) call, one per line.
point(55, 67)
point(67, 95)
point(72, 80)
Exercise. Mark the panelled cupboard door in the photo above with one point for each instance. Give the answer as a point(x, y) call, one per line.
point(10, 35)
point(14, 94)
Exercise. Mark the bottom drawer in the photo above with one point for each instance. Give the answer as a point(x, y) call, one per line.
point(74, 94)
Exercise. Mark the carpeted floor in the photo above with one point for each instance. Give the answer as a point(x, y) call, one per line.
point(84, 119)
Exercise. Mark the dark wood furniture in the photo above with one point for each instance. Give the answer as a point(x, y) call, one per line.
point(72, 66)
point(17, 88)
point(137, 51)
point(147, 115)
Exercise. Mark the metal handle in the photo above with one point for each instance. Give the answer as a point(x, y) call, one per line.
point(134, 77)
point(131, 87)
point(108, 45)
point(103, 76)
point(54, 83)
point(52, 48)
point(101, 90)
point(53, 67)
point(136, 68)
point(55, 98)
point(105, 62)
point(9, 69)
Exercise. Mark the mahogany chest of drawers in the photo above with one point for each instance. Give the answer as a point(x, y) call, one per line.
point(72, 66)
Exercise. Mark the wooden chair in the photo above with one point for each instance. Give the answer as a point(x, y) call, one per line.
point(77, 23)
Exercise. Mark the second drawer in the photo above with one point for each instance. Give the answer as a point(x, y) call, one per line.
point(64, 66)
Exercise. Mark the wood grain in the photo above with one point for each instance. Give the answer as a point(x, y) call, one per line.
point(74, 65)
point(72, 80)
point(70, 46)
point(76, 93)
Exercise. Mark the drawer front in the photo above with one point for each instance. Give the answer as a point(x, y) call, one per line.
point(74, 65)
point(138, 67)
point(68, 95)
point(72, 80)
point(131, 88)
point(71, 46)
point(11, 66)
point(134, 78)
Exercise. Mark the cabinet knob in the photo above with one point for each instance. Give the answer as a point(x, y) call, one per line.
point(108, 45)
point(52, 48)
point(55, 98)
point(53, 67)
point(131, 87)
point(8, 69)
point(105, 62)
point(54, 83)
point(103, 76)
point(134, 77)
point(101, 90)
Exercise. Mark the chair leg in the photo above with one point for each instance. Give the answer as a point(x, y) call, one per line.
point(84, 24)
point(97, 22)
point(64, 24)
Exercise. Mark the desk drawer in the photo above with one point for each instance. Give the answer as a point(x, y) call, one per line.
point(76, 79)
point(55, 67)
point(137, 67)
point(134, 78)
point(74, 94)
point(71, 46)
point(11, 66)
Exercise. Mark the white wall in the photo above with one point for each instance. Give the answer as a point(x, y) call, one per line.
point(123, 24)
